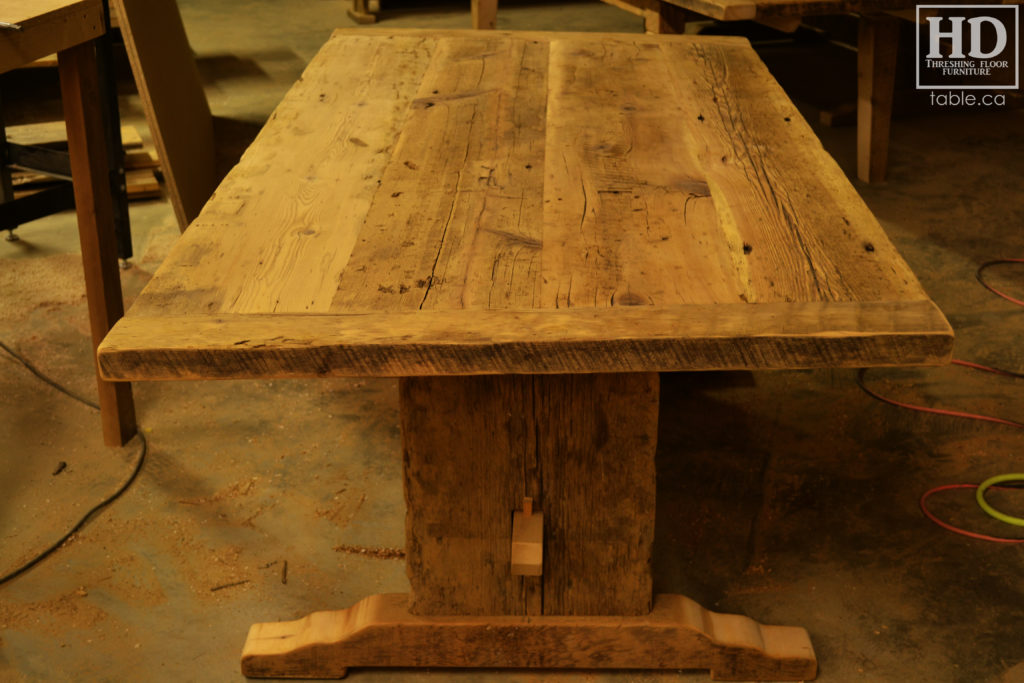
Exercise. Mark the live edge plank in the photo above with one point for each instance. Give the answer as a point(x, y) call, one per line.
point(467, 342)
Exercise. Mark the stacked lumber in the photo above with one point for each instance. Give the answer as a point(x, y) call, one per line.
point(141, 165)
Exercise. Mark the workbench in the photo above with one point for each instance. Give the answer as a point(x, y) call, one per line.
point(70, 28)
point(527, 228)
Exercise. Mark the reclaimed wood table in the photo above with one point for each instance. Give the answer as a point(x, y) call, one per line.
point(526, 228)
point(70, 28)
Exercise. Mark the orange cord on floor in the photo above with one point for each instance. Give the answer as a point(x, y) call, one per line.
point(962, 414)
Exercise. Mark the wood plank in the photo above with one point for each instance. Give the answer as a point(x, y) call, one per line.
point(141, 183)
point(636, 7)
point(484, 14)
point(627, 339)
point(94, 205)
point(665, 18)
point(172, 96)
point(806, 233)
point(142, 158)
point(596, 438)
point(457, 220)
point(323, 168)
point(459, 436)
point(589, 440)
point(677, 634)
point(541, 36)
point(878, 45)
point(48, 133)
point(621, 226)
point(723, 10)
point(47, 26)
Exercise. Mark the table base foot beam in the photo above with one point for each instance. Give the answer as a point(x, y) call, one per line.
point(379, 632)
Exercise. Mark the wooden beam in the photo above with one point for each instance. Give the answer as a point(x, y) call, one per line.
point(581, 446)
point(784, 24)
point(878, 45)
point(89, 168)
point(665, 18)
point(485, 14)
point(677, 634)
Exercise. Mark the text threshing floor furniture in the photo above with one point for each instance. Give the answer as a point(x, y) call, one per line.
point(527, 228)
point(71, 28)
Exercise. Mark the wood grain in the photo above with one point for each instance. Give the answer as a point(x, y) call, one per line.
point(677, 634)
point(623, 225)
point(581, 446)
point(515, 189)
point(459, 228)
point(47, 26)
point(627, 339)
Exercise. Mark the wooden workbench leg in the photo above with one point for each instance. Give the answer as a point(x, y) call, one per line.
point(360, 13)
point(664, 17)
point(95, 207)
point(876, 67)
point(485, 14)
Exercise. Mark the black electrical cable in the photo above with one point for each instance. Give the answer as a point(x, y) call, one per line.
point(139, 460)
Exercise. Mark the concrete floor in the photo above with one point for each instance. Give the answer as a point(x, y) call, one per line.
point(790, 497)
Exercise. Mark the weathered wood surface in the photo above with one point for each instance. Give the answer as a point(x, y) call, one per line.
point(428, 203)
point(582, 446)
point(47, 26)
point(677, 634)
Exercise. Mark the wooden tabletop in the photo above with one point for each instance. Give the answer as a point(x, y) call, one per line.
point(46, 26)
point(427, 203)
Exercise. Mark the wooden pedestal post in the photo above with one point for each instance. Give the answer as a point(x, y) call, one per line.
point(582, 447)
